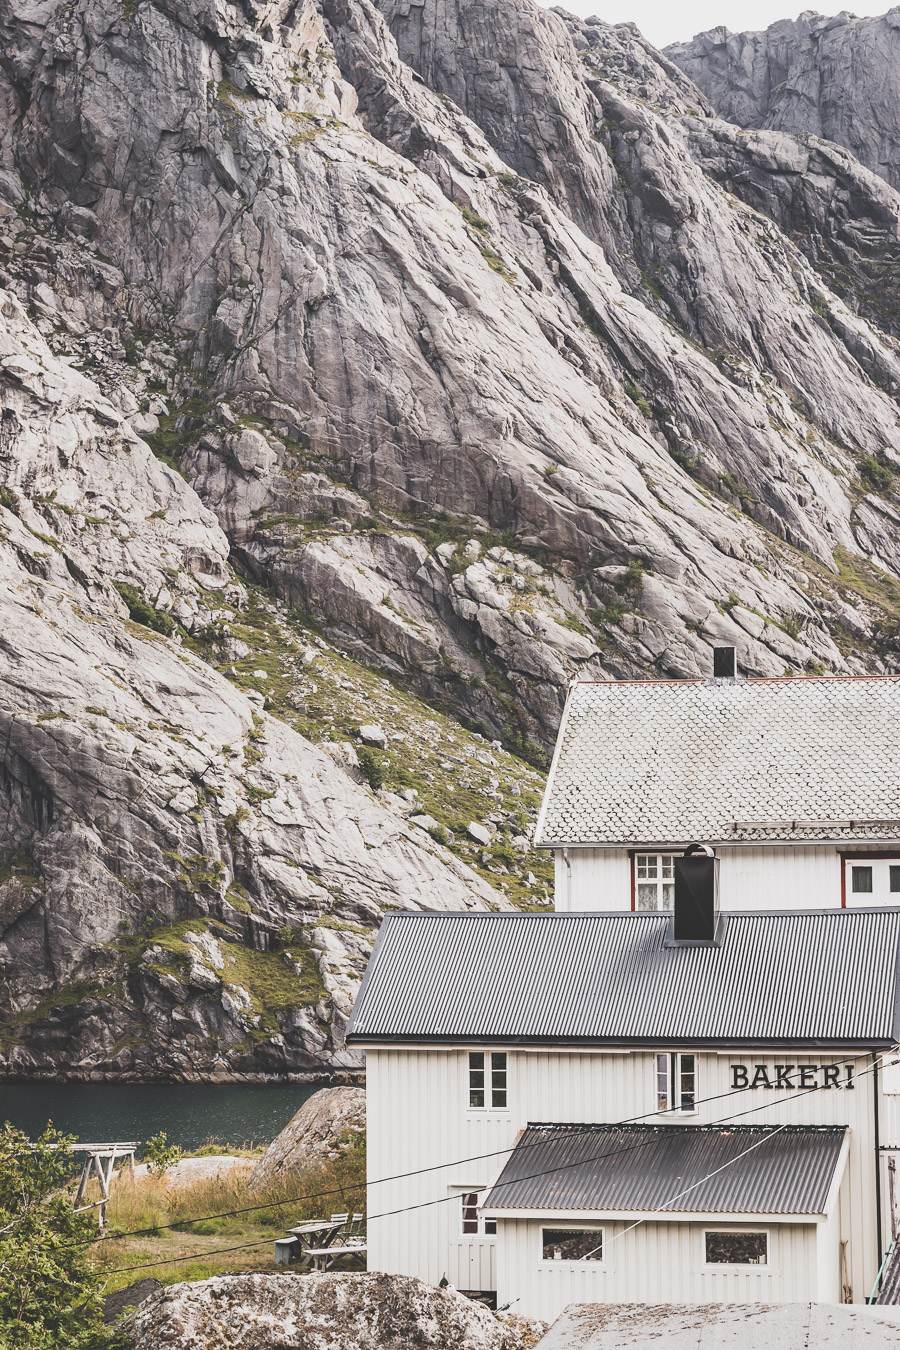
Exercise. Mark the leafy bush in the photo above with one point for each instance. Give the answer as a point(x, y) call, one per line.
point(159, 1154)
point(49, 1294)
point(141, 611)
point(877, 472)
point(372, 768)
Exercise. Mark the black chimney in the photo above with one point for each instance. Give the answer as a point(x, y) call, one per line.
point(696, 894)
point(724, 663)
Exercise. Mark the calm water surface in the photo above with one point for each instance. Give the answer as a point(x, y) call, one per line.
point(190, 1113)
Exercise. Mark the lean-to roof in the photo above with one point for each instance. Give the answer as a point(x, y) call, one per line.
point(678, 1169)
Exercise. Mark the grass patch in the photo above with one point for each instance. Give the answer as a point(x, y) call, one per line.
point(152, 1202)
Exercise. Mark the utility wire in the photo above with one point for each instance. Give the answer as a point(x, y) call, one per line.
point(444, 1199)
point(437, 1167)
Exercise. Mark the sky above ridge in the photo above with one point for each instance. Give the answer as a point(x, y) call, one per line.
point(663, 22)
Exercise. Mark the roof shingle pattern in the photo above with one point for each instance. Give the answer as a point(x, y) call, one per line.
point(679, 761)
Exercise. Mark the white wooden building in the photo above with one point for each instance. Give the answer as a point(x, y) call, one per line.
point(619, 1103)
point(795, 782)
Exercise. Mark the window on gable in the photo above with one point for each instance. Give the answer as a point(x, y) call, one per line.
point(676, 1082)
point(487, 1080)
point(473, 1225)
point(654, 881)
point(861, 880)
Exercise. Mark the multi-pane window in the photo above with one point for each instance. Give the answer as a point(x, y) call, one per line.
point(872, 879)
point(676, 1082)
point(487, 1079)
point(472, 1224)
point(737, 1249)
point(654, 880)
point(572, 1244)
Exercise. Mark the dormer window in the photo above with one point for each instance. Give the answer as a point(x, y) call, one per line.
point(654, 881)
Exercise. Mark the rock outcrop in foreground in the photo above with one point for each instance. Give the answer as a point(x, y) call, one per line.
point(327, 1124)
point(323, 1312)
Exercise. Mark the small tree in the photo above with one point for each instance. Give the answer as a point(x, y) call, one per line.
point(159, 1154)
point(49, 1294)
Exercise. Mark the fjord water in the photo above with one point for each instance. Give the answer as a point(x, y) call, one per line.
point(189, 1113)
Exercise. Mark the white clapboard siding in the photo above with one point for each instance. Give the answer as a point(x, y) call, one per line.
point(418, 1117)
point(655, 1262)
point(775, 877)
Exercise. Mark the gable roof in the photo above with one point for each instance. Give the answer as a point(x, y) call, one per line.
point(682, 1169)
point(826, 977)
point(682, 761)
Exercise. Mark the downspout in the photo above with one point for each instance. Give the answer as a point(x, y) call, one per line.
point(877, 1155)
point(565, 854)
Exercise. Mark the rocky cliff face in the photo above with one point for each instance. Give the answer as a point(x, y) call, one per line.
point(827, 77)
point(490, 357)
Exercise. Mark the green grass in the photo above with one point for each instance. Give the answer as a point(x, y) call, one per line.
point(152, 1202)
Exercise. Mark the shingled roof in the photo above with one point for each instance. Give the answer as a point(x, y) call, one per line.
point(672, 762)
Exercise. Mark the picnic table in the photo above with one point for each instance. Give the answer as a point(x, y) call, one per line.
point(321, 1242)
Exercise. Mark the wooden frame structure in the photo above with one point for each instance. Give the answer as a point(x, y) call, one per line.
point(100, 1159)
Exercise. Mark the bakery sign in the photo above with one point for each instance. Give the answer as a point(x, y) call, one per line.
point(792, 1076)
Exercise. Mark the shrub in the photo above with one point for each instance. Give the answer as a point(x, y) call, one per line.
point(877, 472)
point(372, 768)
point(142, 612)
point(159, 1154)
point(49, 1294)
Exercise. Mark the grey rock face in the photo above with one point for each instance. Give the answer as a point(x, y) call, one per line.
point(347, 1312)
point(138, 782)
point(325, 1126)
point(486, 347)
point(826, 77)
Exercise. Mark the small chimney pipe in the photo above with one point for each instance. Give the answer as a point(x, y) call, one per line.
point(696, 895)
point(724, 663)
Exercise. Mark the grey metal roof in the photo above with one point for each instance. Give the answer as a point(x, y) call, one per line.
point(682, 1169)
point(679, 761)
point(807, 978)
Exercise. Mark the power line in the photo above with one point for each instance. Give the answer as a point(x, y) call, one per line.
point(434, 1167)
point(445, 1199)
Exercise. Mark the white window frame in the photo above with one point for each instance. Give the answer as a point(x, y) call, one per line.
point(673, 1069)
point(481, 1234)
point(488, 1088)
point(659, 881)
point(720, 1266)
point(568, 1263)
point(880, 866)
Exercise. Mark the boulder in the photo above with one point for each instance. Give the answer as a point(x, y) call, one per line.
point(480, 833)
point(372, 735)
point(323, 1312)
point(323, 1128)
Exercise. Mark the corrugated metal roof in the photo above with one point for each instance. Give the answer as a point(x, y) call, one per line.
point(716, 1169)
point(679, 761)
point(814, 978)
